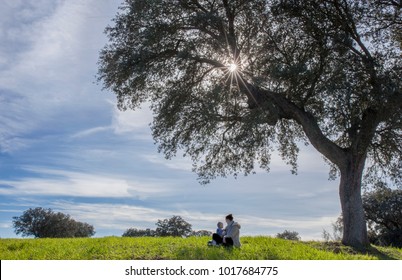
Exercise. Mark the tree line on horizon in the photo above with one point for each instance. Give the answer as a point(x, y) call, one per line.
point(383, 210)
point(175, 226)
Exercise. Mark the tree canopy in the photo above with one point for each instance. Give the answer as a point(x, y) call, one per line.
point(134, 232)
point(175, 226)
point(383, 208)
point(40, 222)
point(231, 81)
point(289, 235)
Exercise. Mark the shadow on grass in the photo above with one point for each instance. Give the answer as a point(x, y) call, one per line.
point(338, 247)
point(371, 250)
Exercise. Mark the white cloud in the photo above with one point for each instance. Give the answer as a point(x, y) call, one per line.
point(112, 216)
point(176, 163)
point(13, 121)
point(133, 122)
point(5, 225)
point(76, 184)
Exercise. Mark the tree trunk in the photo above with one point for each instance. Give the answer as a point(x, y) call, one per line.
point(354, 220)
point(350, 161)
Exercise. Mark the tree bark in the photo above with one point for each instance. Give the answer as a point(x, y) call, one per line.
point(354, 220)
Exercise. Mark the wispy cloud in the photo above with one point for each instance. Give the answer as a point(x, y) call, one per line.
point(177, 163)
point(91, 131)
point(134, 123)
point(76, 184)
point(5, 225)
point(113, 216)
point(51, 77)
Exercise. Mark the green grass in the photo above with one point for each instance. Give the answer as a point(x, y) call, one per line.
point(148, 248)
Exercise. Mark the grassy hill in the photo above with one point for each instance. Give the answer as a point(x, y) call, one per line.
point(148, 248)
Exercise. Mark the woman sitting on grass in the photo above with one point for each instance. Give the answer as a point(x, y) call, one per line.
point(231, 235)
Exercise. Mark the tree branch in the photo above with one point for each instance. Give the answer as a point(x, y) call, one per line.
point(288, 110)
point(231, 36)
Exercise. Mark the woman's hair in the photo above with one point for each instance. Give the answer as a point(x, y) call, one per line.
point(229, 217)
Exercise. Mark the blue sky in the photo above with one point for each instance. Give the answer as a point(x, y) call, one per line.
point(64, 145)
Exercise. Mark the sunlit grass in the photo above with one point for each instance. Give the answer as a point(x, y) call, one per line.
point(148, 248)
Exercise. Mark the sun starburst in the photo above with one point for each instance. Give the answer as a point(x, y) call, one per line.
point(232, 67)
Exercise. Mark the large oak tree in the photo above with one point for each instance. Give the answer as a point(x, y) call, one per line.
point(229, 82)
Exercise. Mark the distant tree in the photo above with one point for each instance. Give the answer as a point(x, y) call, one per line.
point(289, 235)
point(326, 235)
point(230, 81)
point(383, 208)
point(133, 232)
point(40, 223)
point(201, 233)
point(175, 226)
point(337, 231)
